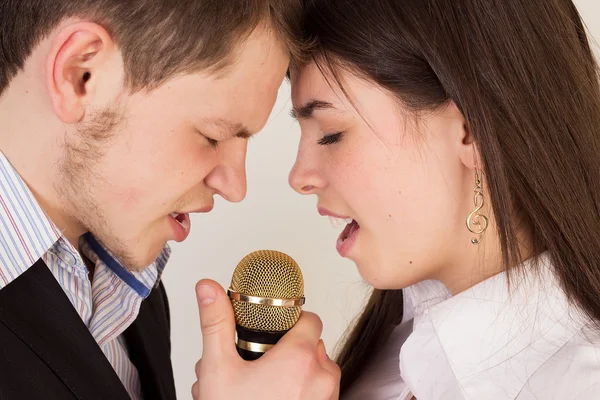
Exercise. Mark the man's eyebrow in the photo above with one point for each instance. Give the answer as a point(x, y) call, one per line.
point(306, 111)
point(228, 128)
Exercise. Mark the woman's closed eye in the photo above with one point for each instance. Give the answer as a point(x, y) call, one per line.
point(331, 138)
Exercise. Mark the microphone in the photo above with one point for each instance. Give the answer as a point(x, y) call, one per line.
point(267, 295)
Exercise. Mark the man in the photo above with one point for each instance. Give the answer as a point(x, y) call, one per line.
point(119, 118)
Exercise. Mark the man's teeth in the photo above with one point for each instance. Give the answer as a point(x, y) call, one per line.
point(184, 221)
point(339, 222)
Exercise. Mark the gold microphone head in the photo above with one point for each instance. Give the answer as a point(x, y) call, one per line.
point(267, 291)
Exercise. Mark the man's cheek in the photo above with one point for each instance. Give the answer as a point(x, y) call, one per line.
point(128, 199)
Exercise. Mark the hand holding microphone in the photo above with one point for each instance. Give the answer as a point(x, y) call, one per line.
point(267, 295)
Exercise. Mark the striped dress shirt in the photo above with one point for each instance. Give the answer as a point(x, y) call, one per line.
point(108, 304)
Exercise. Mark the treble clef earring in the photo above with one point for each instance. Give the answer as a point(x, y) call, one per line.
point(477, 223)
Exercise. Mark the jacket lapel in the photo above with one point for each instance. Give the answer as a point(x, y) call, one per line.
point(149, 345)
point(35, 308)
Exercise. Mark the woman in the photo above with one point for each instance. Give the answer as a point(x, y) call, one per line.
point(460, 140)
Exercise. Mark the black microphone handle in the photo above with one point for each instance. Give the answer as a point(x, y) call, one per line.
point(252, 336)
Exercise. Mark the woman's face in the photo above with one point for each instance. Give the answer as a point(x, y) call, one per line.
point(406, 182)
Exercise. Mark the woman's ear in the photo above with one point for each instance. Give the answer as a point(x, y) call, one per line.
point(77, 53)
point(468, 150)
point(461, 137)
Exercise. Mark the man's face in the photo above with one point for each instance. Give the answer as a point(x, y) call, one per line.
point(137, 169)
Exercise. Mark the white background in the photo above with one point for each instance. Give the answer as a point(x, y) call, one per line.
point(274, 217)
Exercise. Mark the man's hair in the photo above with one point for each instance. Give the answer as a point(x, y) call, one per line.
point(158, 38)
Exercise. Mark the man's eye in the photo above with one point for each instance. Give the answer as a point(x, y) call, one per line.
point(213, 143)
point(331, 138)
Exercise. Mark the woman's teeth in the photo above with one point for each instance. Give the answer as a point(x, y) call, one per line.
point(339, 222)
point(174, 215)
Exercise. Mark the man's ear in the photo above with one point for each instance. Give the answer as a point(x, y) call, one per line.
point(77, 53)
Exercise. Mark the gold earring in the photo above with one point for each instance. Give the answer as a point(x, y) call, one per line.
point(477, 223)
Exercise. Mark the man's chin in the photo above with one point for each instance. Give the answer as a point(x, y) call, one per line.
point(138, 263)
point(133, 247)
point(136, 258)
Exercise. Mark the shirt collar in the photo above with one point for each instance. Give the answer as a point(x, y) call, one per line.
point(487, 339)
point(26, 234)
point(141, 282)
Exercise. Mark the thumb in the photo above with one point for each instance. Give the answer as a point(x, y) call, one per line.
point(216, 320)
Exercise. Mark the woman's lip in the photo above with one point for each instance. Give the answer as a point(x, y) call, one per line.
point(344, 246)
point(326, 213)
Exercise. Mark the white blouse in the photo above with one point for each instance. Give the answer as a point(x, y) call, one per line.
point(487, 344)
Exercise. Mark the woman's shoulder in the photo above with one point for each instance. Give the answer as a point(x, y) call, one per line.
point(572, 372)
point(507, 340)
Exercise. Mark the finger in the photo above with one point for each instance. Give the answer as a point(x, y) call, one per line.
point(308, 330)
point(195, 390)
point(216, 321)
point(326, 384)
point(330, 366)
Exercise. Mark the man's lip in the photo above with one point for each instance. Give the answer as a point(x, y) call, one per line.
point(326, 213)
point(204, 209)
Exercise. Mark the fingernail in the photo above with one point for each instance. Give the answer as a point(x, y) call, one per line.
point(206, 294)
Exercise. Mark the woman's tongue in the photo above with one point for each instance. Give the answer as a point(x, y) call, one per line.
point(350, 226)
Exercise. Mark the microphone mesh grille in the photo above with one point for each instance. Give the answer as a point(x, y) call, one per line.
point(270, 274)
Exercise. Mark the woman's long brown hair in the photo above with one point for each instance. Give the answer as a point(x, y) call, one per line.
point(524, 77)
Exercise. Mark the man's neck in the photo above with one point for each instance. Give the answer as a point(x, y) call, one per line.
point(70, 228)
point(34, 155)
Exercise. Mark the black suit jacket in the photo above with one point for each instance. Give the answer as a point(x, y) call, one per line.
point(47, 352)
